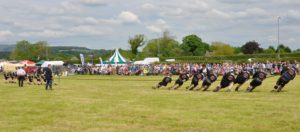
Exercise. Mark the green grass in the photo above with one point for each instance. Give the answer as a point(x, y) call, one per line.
point(114, 103)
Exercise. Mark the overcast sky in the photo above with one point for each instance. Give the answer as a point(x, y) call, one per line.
point(109, 23)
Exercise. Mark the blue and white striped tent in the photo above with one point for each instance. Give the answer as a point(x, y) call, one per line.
point(117, 58)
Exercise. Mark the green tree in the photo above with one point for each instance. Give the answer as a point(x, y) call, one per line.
point(251, 47)
point(270, 50)
point(136, 42)
point(283, 49)
point(21, 51)
point(193, 45)
point(297, 51)
point(220, 48)
point(237, 50)
point(39, 50)
point(25, 50)
point(165, 46)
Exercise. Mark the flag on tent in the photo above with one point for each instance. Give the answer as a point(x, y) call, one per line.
point(101, 61)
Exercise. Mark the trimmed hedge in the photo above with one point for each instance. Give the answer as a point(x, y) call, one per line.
point(235, 58)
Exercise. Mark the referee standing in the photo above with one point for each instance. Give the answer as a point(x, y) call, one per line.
point(48, 76)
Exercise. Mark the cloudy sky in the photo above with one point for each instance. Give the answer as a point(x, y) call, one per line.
point(109, 23)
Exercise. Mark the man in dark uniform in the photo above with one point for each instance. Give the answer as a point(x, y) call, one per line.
point(284, 79)
point(183, 77)
point(48, 77)
point(38, 79)
point(258, 78)
point(227, 81)
point(12, 75)
point(195, 81)
point(6, 77)
point(242, 77)
point(30, 79)
point(167, 79)
point(284, 68)
point(208, 80)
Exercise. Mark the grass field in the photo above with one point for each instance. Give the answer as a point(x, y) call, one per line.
point(115, 103)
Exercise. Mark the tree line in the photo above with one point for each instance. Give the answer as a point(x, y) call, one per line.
point(192, 45)
point(139, 48)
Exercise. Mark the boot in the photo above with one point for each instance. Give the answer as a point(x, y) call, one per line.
point(217, 89)
point(237, 88)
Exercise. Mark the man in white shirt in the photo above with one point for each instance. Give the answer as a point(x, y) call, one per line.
point(21, 76)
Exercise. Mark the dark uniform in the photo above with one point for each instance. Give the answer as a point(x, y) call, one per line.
point(6, 77)
point(207, 81)
point(284, 79)
point(195, 81)
point(241, 79)
point(38, 79)
point(179, 82)
point(48, 77)
point(164, 82)
point(30, 79)
point(182, 78)
point(258, 78)
point(227, 79)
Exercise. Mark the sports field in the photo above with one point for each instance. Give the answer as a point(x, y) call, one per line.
point(117, 103)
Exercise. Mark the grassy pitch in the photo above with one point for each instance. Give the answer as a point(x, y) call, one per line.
point(117, 103)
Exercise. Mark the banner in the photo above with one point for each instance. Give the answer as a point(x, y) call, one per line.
point(82, 59)
point(101, 61)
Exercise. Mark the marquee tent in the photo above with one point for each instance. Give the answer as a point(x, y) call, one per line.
point(27, 63)
point(147, 61)
point(52, 63)
point(40, 62)
point(117, 58)
point(8, 67)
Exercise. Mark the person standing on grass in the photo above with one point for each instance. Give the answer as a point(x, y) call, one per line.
point(48, 77)
point(21, 76)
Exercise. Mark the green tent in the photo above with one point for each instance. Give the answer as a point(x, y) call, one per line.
point(117, 58)
point(41, 62)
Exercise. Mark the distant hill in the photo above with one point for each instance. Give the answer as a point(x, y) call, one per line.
point(73, 50)
point(5, 51)
point(7, 48)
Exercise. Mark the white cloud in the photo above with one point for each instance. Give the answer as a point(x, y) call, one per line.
point(293, 14)
point(68, 6)
point(91, 20)
point(128, 17)
point(44, 34)
point(94, 2)
point(148, 7)
point(89, 30)
point(5, 34)
point(83, 30)
point(159, 26)
point(216, 12)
